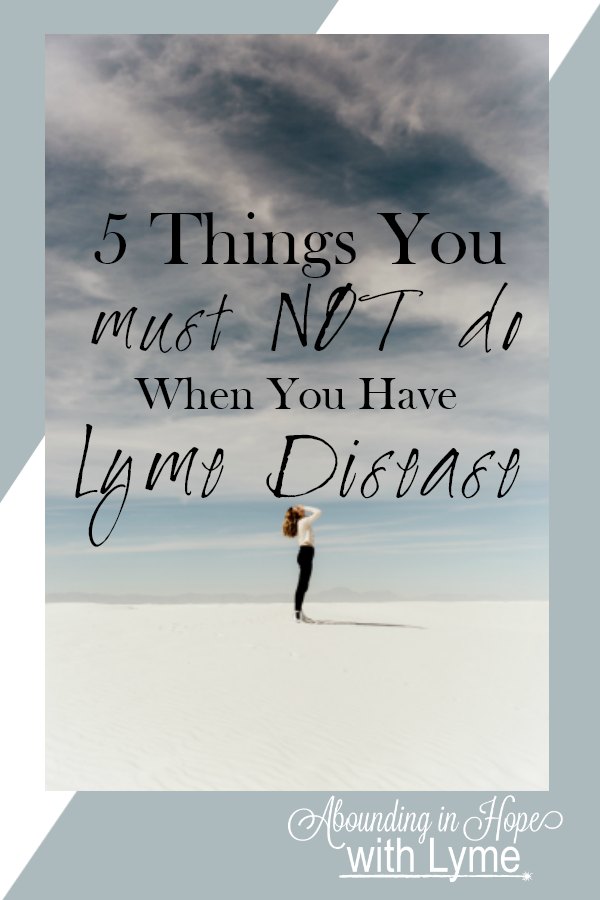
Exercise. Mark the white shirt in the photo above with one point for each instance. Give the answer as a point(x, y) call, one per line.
point(305, 534)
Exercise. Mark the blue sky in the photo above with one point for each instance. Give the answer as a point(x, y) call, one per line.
point(417, 550)
point(309, 133)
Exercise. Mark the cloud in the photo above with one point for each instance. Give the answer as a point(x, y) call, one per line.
point(309, 133)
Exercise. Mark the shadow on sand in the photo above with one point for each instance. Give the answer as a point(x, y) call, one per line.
point(310, 621)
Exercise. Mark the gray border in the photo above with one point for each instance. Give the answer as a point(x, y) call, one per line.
point(22, 240)
point(181, 845)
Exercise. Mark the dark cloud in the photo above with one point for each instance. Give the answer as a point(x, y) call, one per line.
point(309, 132)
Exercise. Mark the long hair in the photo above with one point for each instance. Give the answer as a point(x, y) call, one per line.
point(290, 523)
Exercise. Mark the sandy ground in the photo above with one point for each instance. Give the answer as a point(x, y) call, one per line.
point(436, 696)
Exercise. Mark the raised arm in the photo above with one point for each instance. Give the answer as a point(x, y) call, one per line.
point(311, 513)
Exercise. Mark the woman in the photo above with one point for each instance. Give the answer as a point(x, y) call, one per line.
point(297, 522)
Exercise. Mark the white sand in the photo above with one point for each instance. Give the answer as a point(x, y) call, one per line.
point(240, 697)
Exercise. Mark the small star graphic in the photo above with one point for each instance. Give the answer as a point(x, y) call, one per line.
point(527, 876)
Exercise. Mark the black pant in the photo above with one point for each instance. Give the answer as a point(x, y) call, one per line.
point(305, 561)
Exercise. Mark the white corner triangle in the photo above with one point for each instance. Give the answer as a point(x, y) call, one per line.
point(27, 812)
point(562, 22)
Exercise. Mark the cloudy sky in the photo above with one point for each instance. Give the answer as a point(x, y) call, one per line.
point(309, 133)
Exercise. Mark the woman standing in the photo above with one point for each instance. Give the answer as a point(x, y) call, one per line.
point(297, 522)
